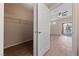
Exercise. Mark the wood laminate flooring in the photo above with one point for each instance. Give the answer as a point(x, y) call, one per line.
point(60, 46)
point(24, 49)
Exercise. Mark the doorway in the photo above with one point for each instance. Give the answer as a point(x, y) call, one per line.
point(18, 29)
point(61, 35)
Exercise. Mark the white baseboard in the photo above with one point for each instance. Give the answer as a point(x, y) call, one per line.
point(16, 44)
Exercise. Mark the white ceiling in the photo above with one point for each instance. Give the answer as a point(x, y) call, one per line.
point(27, 5)
point(49, 5)
point(55, 8)
point(30, 5)
point(62, 8)
point(53, 5)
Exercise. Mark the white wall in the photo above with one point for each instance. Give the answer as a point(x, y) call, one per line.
point(1, 28)
point(18, 25)
point(56, 29)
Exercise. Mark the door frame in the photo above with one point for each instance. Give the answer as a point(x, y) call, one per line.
point(35, 29)
point(74, 30)
point(1, 29)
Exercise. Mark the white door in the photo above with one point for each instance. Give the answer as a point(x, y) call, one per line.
point(43, 29)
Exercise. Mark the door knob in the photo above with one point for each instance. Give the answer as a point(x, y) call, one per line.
point(39, 32)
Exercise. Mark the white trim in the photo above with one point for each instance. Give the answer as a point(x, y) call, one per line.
point(1, 28)
point(35, 30)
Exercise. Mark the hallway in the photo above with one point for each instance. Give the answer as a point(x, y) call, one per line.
point(60, 46)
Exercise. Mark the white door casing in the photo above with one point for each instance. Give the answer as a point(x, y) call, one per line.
point(1, 28)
